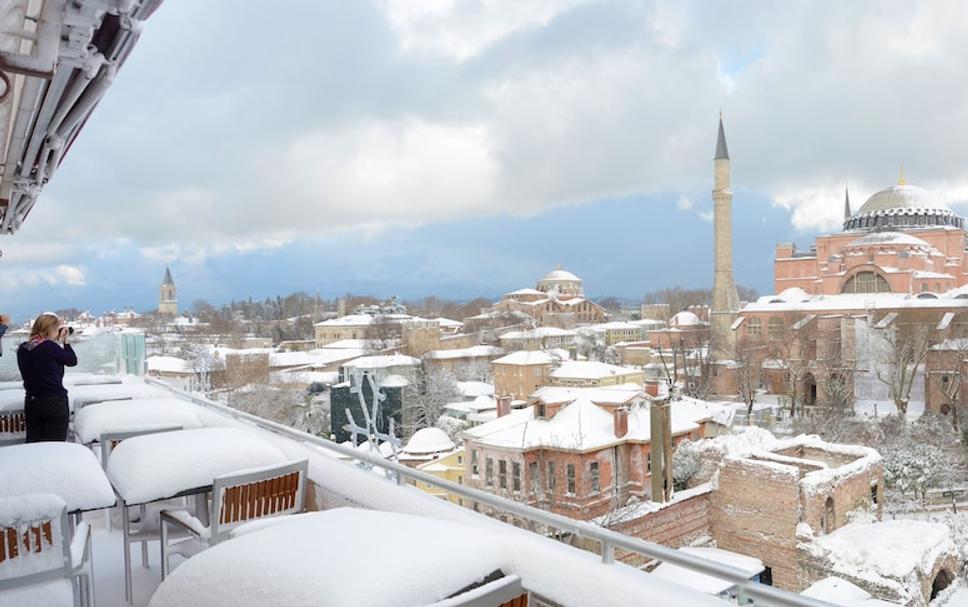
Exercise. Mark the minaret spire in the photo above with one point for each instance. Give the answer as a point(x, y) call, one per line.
point(900, 179)
point(847, 212)
point(725, 299)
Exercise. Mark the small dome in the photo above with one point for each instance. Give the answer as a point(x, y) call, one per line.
point(685, 319)
point(429, 440)
point(559, 275)
point(902, 197)
point(793, 295)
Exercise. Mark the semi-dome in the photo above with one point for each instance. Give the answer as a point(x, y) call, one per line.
point(903, 206)
point(889, 238)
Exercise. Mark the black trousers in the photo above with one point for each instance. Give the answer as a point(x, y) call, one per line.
point(46, 418)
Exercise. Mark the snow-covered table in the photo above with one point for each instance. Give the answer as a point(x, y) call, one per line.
point(158, 466)
point(347, 556)
point(154, 467)
point(65, 469)
point(132, 415)
point(80, 395)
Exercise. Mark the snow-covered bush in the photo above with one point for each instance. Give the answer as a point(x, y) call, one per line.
point(685, 463)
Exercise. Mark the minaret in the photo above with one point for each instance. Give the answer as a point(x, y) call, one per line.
point(725, 299)
point(167, 303)
point(846, 204)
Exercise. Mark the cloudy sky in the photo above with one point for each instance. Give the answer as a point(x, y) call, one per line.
point(464, 148)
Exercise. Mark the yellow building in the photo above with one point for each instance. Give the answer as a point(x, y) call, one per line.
point(449, 467)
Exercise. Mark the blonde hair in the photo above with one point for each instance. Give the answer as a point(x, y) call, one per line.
point(43, 324)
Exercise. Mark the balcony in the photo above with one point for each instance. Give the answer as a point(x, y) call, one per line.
point(551, 572)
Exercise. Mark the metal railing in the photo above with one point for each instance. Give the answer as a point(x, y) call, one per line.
point(609, 540)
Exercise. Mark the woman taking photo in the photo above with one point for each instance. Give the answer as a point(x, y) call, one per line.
point(42, 360)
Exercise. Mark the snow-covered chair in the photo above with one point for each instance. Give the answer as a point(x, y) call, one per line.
point(238, 498)
point(13, 427)
point(498, 590)
point(39, 563)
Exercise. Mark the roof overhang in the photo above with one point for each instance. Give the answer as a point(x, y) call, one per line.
point(57, 59)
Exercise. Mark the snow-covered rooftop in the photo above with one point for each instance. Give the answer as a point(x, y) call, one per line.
point(620, 394)
point(579, 426)
point(589, 369)
point(383, 362)
point(527, 357)
point(707, 583)
point(851, 302)
point(470, 352)
point(429, 440)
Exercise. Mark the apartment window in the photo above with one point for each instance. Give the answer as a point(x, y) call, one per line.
point(515, 476)
point(534, 478)
point(460, 459)
point(502, 474)
point(593, 474)
point(570, 474)
point(551, 477)
point(489, 472)
point(460, 480)
point(475, 469)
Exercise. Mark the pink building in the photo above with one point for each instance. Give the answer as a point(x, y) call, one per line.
point(902, 240)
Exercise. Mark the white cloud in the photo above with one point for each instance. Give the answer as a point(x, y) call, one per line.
point(446, 109)
point(685, 203)
point(16, 279)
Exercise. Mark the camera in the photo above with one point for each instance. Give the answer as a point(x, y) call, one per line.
point(69, 330)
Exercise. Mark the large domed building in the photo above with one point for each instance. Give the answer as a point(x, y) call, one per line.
point(903, 239)
point(557, 301)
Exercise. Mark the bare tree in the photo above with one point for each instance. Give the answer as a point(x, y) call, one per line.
point(949, 360)
point(788, 346)
point(748, 368)
point(906, 340)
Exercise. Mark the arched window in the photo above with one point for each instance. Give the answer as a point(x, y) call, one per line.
point(755, 328)
point(866, 282)
point(828, 515)
point(775, 327)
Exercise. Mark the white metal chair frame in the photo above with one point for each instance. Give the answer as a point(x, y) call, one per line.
point(108, 441)
point(80, 573)
point(228, 516)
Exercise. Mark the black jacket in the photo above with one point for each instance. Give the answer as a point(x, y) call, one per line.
point(42, 367)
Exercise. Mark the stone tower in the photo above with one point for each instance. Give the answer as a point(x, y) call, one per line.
point(167, 303)
point(725, 300)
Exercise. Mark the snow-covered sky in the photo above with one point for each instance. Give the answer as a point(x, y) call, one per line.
point(465, 147)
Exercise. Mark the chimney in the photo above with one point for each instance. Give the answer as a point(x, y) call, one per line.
point(621, 417)
point(652, 387)
point(503, 405)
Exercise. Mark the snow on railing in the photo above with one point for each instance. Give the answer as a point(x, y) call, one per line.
point(609, 540)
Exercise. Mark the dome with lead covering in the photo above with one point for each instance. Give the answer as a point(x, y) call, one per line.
point(903, 206)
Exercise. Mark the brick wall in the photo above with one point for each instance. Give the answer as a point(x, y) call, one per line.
point(755, 511)
point(675, 525)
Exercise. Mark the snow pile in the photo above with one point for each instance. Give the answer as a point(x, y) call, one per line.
point(891, 554)
point(132, 415)
point(156, 466)
point(841, 592)
point(473, 389)
point(69, 470)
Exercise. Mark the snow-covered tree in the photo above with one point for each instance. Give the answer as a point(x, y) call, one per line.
point(425, 397)
point(905, 343)
point(685, 463)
